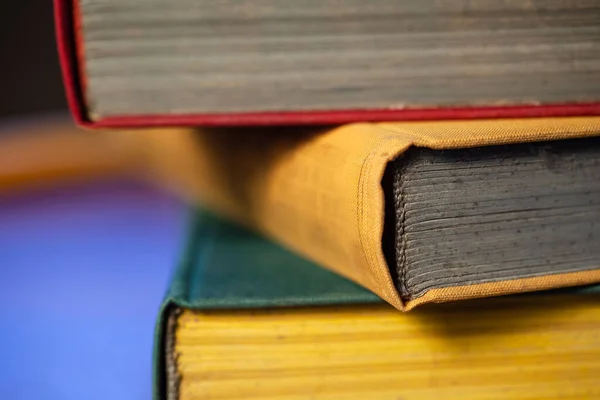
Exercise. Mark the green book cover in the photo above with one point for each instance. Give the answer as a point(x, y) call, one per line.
point(225, 266)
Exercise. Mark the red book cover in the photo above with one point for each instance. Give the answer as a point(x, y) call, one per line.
point(70, 48)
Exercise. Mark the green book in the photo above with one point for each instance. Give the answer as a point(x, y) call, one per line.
point(232, 285)
point(228, 267)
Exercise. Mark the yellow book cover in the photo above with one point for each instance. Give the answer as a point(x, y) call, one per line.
point(414, 211)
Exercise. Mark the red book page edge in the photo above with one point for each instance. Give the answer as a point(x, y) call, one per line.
point(66, 36)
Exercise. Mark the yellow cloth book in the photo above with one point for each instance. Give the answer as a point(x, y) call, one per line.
point(415, 211)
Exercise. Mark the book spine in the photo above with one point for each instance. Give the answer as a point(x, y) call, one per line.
point(319, 191)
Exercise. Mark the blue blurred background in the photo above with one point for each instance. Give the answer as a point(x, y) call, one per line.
point(83, 270)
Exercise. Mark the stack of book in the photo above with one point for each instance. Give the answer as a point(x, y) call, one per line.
point(349, 159)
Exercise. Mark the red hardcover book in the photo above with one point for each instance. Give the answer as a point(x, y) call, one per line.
point(145, 63)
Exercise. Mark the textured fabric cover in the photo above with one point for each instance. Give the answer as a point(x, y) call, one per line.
point(227, 266)
point(319, 192)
